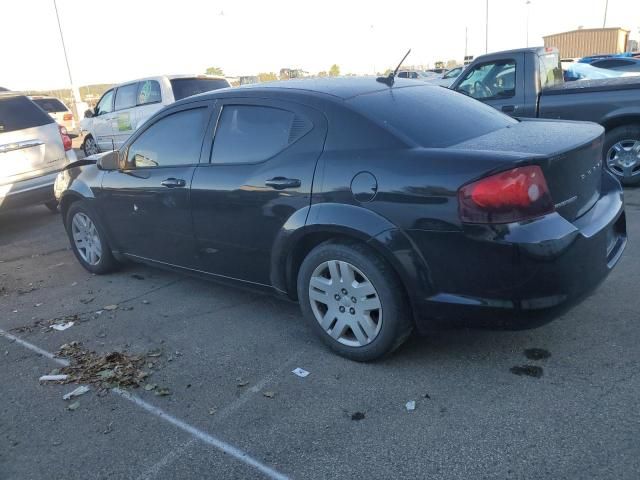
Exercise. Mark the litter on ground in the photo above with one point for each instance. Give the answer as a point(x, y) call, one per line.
point(81, 390)
point(301, 372)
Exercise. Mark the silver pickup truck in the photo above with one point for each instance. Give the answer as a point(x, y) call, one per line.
point(529, 83)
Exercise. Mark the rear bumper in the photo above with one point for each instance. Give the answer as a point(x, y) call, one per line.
point(523, 274)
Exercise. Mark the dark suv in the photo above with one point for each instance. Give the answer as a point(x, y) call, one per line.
point(379, 208)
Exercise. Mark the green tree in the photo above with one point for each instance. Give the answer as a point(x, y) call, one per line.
point(322, 74)
point(267, 76)
point(215, 71)
point(334, 71)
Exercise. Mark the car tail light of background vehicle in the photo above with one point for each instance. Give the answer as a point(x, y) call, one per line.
point(67, 117)
point(66, 140)
point(511, 196)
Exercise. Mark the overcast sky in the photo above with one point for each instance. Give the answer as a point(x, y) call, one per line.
point(119, 40)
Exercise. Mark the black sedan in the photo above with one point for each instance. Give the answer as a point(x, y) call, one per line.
point(379, 208)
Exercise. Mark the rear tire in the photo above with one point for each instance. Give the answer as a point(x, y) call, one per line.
point(622, 153)
point(331, 277)
point(88, 240)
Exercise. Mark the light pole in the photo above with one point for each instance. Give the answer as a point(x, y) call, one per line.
point(486, 29)
point(74, 93)
point(527, 3)
point(606, 6)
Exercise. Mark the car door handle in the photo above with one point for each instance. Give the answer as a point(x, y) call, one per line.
point(280, 183)
point(508, 108)
point(173, 183)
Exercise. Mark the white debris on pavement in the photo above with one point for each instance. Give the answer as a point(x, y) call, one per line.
point(61, 327)
point(301, 372)
point(81, 390)
point(411, 406)
point(52, 378)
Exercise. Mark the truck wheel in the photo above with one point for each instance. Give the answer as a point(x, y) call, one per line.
point(622, 153)
point(89, 146)
point(354, 301)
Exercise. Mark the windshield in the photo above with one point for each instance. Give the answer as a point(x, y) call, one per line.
point(185, 87)
point(431, 116)
point(51, 105)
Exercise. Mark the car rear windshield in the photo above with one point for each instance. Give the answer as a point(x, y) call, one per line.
point(185, 87)
point(433, 117)
point(18, 113)
point(50, 105)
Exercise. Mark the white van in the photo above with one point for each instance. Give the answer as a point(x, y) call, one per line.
point(123, 108)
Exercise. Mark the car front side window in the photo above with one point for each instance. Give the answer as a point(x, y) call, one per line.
point(490, 80)
point(105, 105)
point(174, 140)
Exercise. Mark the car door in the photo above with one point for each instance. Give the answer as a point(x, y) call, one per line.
point(102, 122)
point(260, 173)
point(498, 83)
point(146, 203)
point(124, 111)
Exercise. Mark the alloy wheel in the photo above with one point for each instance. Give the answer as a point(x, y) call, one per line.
point(623, 158)
point(345, 303)
point(90, 146)
point(86, 238)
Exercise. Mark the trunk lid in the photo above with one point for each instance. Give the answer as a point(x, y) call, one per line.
point(569, 153)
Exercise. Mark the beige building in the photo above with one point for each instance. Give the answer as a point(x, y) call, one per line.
point(589, 41)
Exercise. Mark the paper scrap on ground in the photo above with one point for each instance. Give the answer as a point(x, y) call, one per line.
point(301, 372)
point(53, 378)
point(62, 326)
point(81, 390)
point(411, 406)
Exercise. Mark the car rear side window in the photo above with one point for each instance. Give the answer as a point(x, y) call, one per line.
point(18, 113)
point(148, 92)
point(126, 96)
point(251, 133)
point(431, 116)
point(51, 105)
point(185, 87)
point(173, 140)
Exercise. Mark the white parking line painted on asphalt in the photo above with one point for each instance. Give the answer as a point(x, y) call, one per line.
point(202, 436)
point(34, 348)
point(193, 431)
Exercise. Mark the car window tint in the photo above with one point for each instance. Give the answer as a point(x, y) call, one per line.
point(248, 134)
point(148, 92)
point(611, 63)
point(105, 105)
point(18, 113)
point(430, 116)
point(50, 105)
point(185, 87)
point(173, 140)
point(550, 70)
point(490, 80)
point(126, 96)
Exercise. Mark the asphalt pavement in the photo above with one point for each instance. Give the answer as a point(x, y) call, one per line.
point(235, 410)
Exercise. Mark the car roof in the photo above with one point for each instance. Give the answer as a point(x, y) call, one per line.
point(170, 77)
point(339, 87)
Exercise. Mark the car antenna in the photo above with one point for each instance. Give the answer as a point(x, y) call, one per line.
point(388, 80)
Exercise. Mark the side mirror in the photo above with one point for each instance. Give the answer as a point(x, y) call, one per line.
point(88, 113)
point(109, 161)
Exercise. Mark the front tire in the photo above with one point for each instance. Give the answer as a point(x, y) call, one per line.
point(622, 153)
point(88, 241)
point(354, 301)
point(89, 146)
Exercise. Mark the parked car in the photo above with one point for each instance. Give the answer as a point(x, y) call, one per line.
point(628, 64)
point(33, 149)
point(585, 71)
point(529, 83)
point(415, 75)
point(447, 78)
point(58, 111)
point(377, 208)
point(123, 108)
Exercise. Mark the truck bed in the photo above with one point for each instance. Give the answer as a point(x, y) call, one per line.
point(599, 85)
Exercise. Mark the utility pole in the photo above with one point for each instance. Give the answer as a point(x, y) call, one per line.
point(466, 36)
point(74, 93)
point(486, 29)
point(527, 3)
point(606, 6)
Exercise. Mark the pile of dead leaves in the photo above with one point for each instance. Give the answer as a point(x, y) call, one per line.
point(45, 325)
point(115, 369)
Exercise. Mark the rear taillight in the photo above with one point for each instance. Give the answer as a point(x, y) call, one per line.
point(67, 117)
point(66, 140)
point(511, 196)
